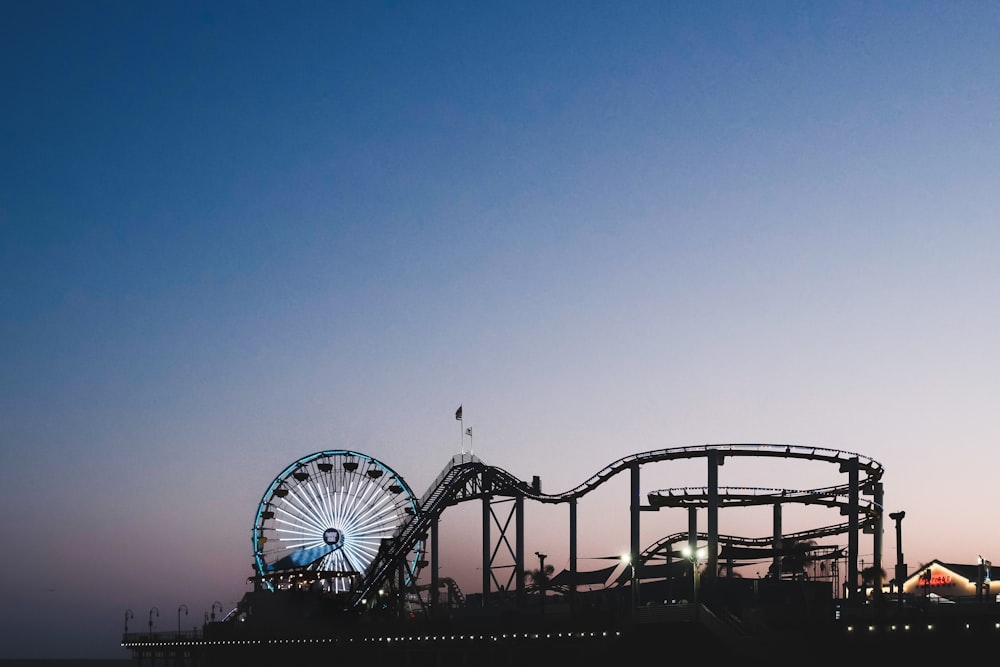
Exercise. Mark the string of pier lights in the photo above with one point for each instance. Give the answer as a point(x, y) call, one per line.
point(511, 636)
point(850, 629)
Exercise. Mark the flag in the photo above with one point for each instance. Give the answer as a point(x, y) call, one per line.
point(468, 431)
point(458, 413)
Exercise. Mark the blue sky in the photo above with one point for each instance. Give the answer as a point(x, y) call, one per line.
point(234, 234)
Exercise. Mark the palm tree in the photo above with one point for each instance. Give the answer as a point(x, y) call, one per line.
point(730, 572)
point(539, 578)
point(868, 579)
point(795, 559)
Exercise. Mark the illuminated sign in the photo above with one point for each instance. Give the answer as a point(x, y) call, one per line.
point(938, 579)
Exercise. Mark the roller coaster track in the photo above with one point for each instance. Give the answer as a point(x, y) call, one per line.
point(664, 543)
point(743, 496)
point(467, 478)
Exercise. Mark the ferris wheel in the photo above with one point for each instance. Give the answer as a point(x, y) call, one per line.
point(322, 521)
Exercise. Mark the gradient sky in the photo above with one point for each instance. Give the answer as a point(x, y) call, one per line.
point(237, 233)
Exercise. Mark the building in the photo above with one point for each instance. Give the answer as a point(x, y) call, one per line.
point(947, 583)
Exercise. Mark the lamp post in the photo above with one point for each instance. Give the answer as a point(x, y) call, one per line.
point(213, 609)
point(982, 577)
point(152, 611)
point(634, 584)
point(695, 556)
point(128, 615)
point(184, 607)
point(900, 565)
point(541, 581)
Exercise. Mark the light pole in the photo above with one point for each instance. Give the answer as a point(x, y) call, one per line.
point(982, 577)
point(128, 615)
point(541, 581)
point(695, 556)
point(900, 565)
point(628, 560)
point(185, 608)
point(152, 611)
point(213, 609)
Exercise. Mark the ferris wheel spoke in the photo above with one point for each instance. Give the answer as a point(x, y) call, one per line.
point(322, 496)
point(358, 559)
point(304, 503)
point(376, 523)
point(362, 551)
point(349, 504)
point(353, 498)
point(300, 543)
point(295, 509)
point(300, 538)
point(299, 520)
point(326, 500)
point(315, 505)
point(295, 523)
point(307, 514)
point(373, 511)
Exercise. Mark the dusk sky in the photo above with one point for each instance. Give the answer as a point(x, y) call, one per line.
point(234, 234)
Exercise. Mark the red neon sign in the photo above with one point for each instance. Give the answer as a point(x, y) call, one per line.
point(936, 580)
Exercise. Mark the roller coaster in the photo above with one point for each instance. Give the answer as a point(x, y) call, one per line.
point(348, 526)
point(346, 567)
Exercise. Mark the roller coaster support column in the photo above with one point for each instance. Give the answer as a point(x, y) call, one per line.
point(776, 542)
point(572, 552)
point(401, 589)
point(486, 550)
point(519, 550)
point(715, 459)
point(851, 468)
point(634, 507)
point(692, 545)
point(879, 494)
point(435, 581)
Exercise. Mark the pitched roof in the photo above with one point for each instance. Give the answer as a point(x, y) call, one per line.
point(970, 572)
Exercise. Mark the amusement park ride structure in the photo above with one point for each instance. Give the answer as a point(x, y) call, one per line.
point(342, 546)
point(346, 525)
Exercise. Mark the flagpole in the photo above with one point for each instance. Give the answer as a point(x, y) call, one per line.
point(461, 429)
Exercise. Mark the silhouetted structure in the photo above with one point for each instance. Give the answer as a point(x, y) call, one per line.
point(340, 542)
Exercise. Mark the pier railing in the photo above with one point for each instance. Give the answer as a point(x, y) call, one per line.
point(159, 637)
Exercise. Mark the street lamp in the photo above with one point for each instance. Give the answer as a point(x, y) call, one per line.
point(213, 609)
point(628, 560)
point(695, 556)
point(128, 615)
point(184, 607)
point(151, 612)
point(541, 581)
